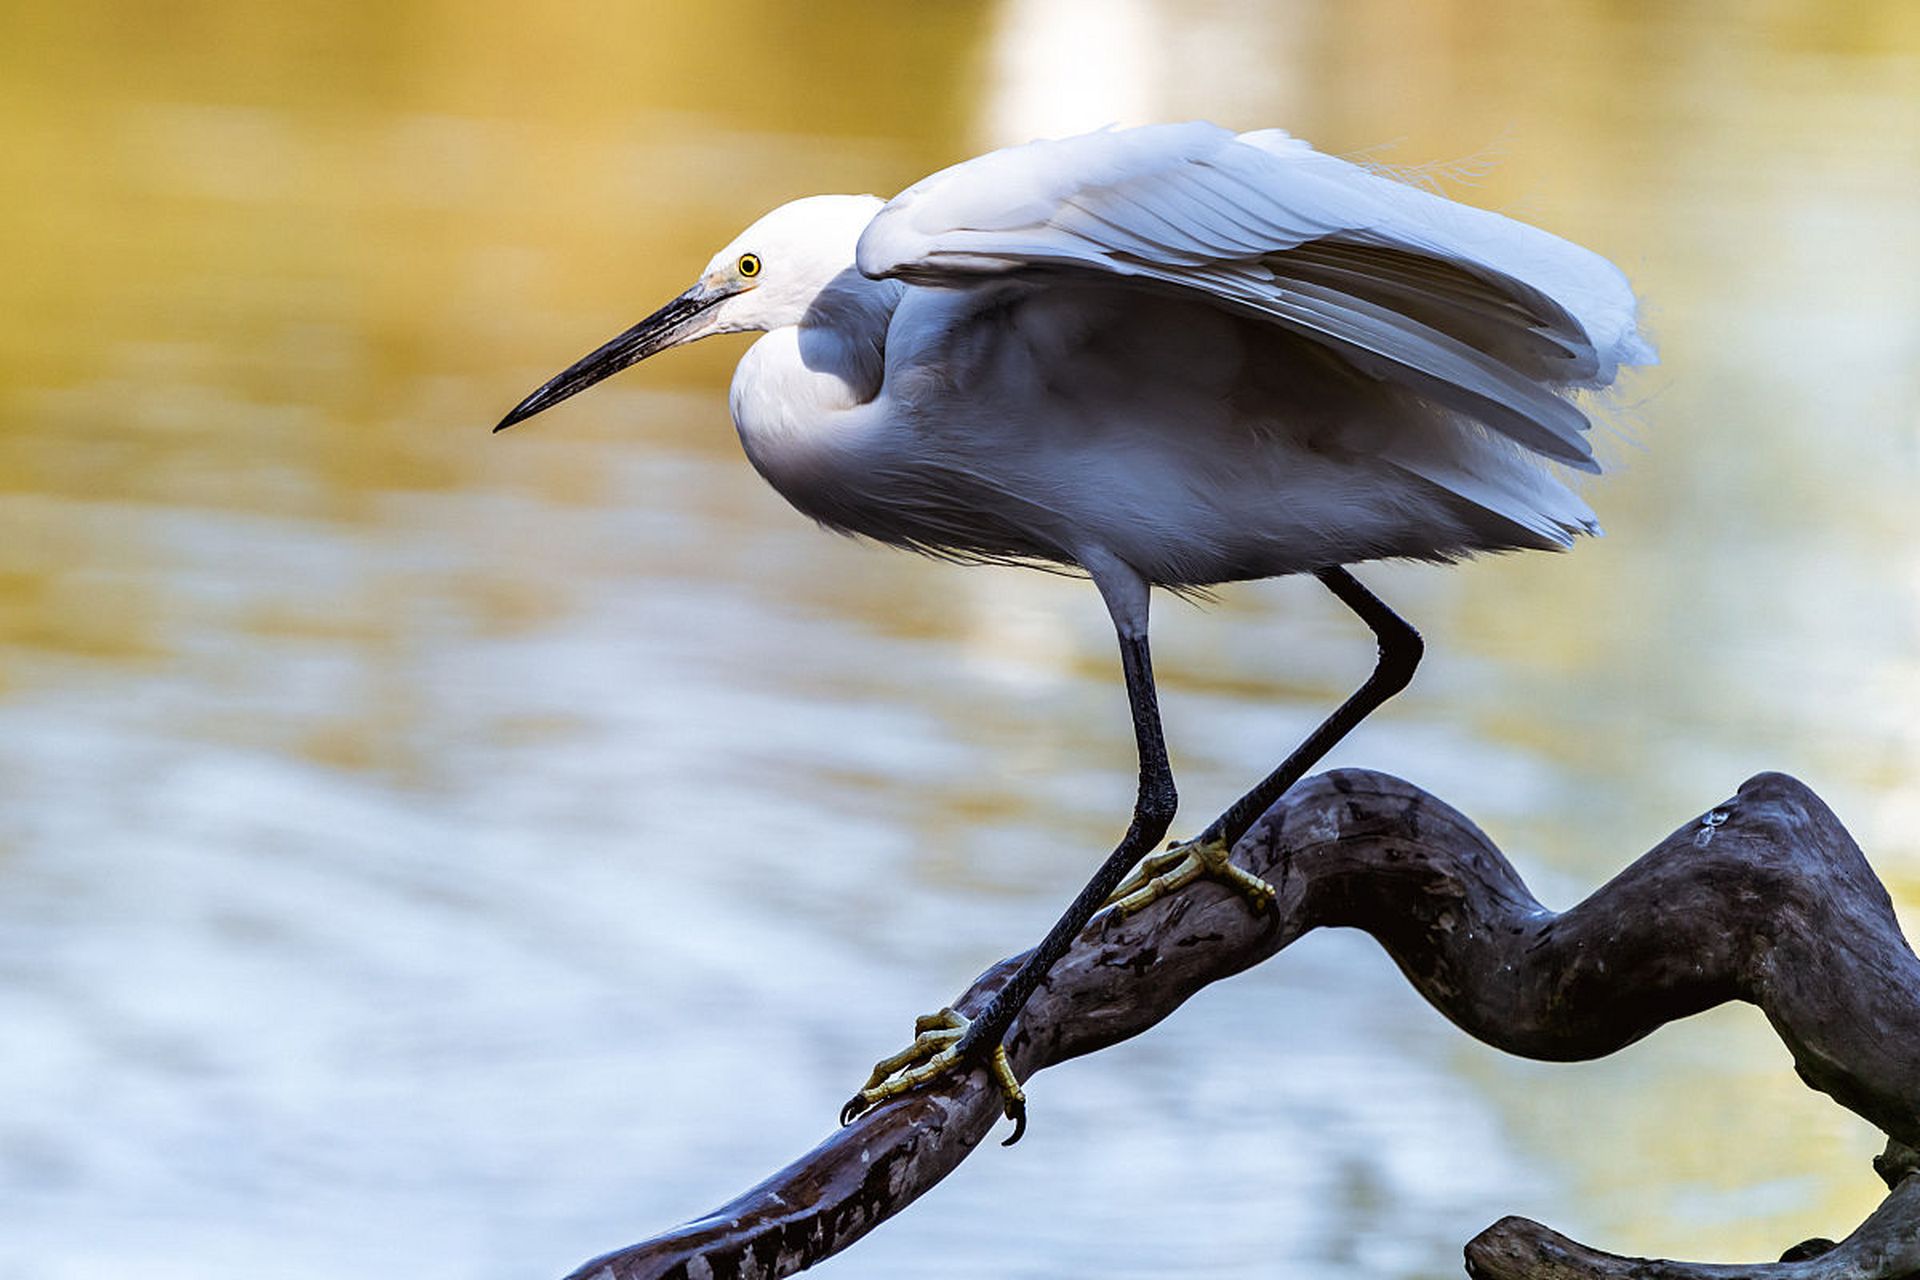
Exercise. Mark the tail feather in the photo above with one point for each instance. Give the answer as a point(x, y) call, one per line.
point(1494, 476)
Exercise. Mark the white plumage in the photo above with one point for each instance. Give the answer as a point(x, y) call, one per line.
point(1168, 356)
point(1210, 356)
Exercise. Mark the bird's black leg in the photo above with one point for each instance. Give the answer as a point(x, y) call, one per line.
point(952, 1040)
point(1400, 651)
point(948, 1040)
point(1153, 808)
point(1400, 648)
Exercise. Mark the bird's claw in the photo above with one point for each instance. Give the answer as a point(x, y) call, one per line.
point(1161, 874)
point(935, 1051)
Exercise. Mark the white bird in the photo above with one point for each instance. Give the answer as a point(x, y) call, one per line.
point(1169, 356)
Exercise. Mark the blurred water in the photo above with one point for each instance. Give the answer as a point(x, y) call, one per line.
point(428, 853)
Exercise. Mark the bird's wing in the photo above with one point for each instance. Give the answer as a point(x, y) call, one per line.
point(1476, 311)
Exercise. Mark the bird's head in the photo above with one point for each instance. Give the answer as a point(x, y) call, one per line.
point(766, 278)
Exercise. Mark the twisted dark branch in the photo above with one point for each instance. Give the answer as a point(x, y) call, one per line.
point(1765, 898)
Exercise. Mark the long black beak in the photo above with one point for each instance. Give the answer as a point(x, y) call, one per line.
point(664, 328)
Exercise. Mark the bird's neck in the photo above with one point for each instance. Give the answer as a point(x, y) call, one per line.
point(792, 382)
point(843, 334)
point(801, 391)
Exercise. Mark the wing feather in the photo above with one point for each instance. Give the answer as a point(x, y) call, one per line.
point(1475, 311)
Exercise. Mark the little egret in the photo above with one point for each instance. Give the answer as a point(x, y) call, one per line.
point(1168, 356)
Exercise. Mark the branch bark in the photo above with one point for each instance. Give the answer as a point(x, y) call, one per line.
point(1765, 898)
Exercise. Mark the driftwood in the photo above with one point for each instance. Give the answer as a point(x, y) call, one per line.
point(1764, 898)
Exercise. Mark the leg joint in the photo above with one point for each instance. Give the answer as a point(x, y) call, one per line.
point(1156, 805)
point(1401, 649)
point(1400, 645)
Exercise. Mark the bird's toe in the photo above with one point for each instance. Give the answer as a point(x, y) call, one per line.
point(935, 1052)
point(1169, 872)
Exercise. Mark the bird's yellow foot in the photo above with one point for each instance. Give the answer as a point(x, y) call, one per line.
point(935, 1051)
point(1163, 873)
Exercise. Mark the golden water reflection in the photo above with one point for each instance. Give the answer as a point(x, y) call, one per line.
point(264, 579)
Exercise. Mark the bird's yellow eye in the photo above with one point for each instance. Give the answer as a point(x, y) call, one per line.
point(749, 265)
